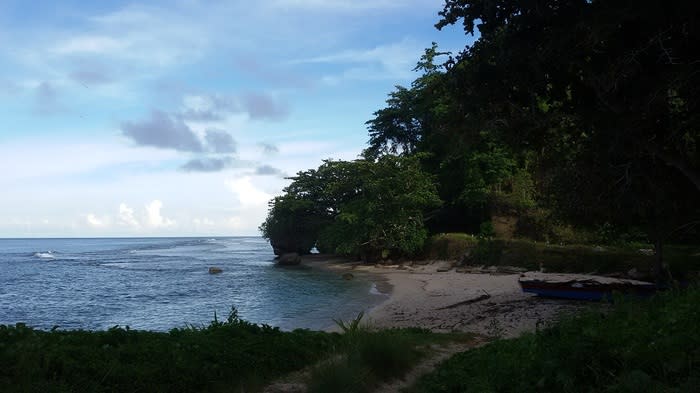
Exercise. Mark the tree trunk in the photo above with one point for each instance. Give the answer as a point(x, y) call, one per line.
point(690, 173)
point(658, 260)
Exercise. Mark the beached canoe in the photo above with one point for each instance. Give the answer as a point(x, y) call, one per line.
point(581, 286)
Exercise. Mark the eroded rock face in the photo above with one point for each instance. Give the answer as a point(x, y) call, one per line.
point(289, 259)
point(289, 245)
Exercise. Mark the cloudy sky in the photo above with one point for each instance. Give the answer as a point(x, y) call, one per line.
point(182, 118)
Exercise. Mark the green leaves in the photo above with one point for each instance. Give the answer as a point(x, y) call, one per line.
point(360, 208)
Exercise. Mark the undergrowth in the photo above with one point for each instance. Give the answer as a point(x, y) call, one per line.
point(651, 346)
point(367, 357)
point(231, 355)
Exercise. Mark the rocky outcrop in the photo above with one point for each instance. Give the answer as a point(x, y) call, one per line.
point(215, 270)
point(289, 259)
point(287, 245)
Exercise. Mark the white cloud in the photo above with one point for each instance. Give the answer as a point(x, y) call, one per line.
point(95, 222)
point(154, 219)
point(248, 195)
point(388, 61)
point(87, 44)
point(200, 222)
point(126, 216)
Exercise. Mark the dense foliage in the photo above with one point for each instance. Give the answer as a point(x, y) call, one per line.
point(571, 116)
point(640, 346)
point(224, 356)
point(604, 93)
point(229, 356)
point(366, 208)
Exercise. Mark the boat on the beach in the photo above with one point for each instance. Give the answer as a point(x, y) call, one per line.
point(582, 286)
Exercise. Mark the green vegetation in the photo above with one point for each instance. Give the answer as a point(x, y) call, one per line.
point(651, 346)
point(572, 123)
point(233, 355)
point(367, 358)
point(682, 261)
point(224, 356)
point(449, 246)
point(370, 209)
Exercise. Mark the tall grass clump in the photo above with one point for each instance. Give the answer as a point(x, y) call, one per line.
point(367, 358)
point(642, 345)
point(341, 376)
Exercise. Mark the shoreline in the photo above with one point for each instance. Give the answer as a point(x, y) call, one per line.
point(436, 297)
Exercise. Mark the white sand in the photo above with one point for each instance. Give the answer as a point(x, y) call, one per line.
point(419, 296)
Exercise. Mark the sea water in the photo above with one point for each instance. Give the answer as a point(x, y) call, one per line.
point(164, 283)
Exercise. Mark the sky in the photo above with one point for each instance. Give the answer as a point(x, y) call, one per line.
point(183, 118)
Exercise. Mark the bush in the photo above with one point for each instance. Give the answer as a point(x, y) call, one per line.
point(224, 356)
point(340, 375)
point(449, 246)
point(649, 345)
point(387, 354)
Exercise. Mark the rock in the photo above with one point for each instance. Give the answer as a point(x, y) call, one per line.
point(635, 274)
point(348, 276)
point(444, 267)
point(215, 270)
point(289, 259)
point(467, 258)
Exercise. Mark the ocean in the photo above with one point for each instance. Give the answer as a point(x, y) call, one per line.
point(163, 283)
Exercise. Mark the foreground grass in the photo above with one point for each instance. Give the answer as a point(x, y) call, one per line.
point(651, 346)
point(225, 356)
point(368, 358)
point(230, 356)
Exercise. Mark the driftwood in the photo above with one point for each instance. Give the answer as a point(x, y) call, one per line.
point(470, 301)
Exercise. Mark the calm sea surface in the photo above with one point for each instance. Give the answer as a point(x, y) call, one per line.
point(162, 283)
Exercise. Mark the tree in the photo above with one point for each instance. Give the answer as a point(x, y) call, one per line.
point(605, 92)
point(364, 208)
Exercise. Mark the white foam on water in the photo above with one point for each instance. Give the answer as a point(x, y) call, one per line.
point(45, 255)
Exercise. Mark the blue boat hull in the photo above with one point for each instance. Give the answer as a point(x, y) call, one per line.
point(580, 292)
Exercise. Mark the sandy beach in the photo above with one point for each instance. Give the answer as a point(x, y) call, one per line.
point(442, 299)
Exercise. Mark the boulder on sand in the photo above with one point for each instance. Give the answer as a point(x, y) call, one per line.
point(289, 259)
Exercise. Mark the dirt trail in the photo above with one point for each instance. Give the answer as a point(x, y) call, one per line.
point(295, 382)
point(439, 353)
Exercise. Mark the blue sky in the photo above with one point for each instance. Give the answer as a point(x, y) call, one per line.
point(182, 118)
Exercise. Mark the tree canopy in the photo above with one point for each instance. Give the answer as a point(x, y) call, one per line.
point(585, 109)
point(364, 208)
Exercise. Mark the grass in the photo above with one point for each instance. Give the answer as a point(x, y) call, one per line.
point(368, 358)
point(651, 345)
point(225, 356)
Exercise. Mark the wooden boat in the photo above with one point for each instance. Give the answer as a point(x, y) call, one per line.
point(581, 286)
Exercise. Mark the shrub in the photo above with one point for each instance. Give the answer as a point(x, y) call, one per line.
point(449, 246)
point(340, 375)
point(386, 354)
point(651, 345)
